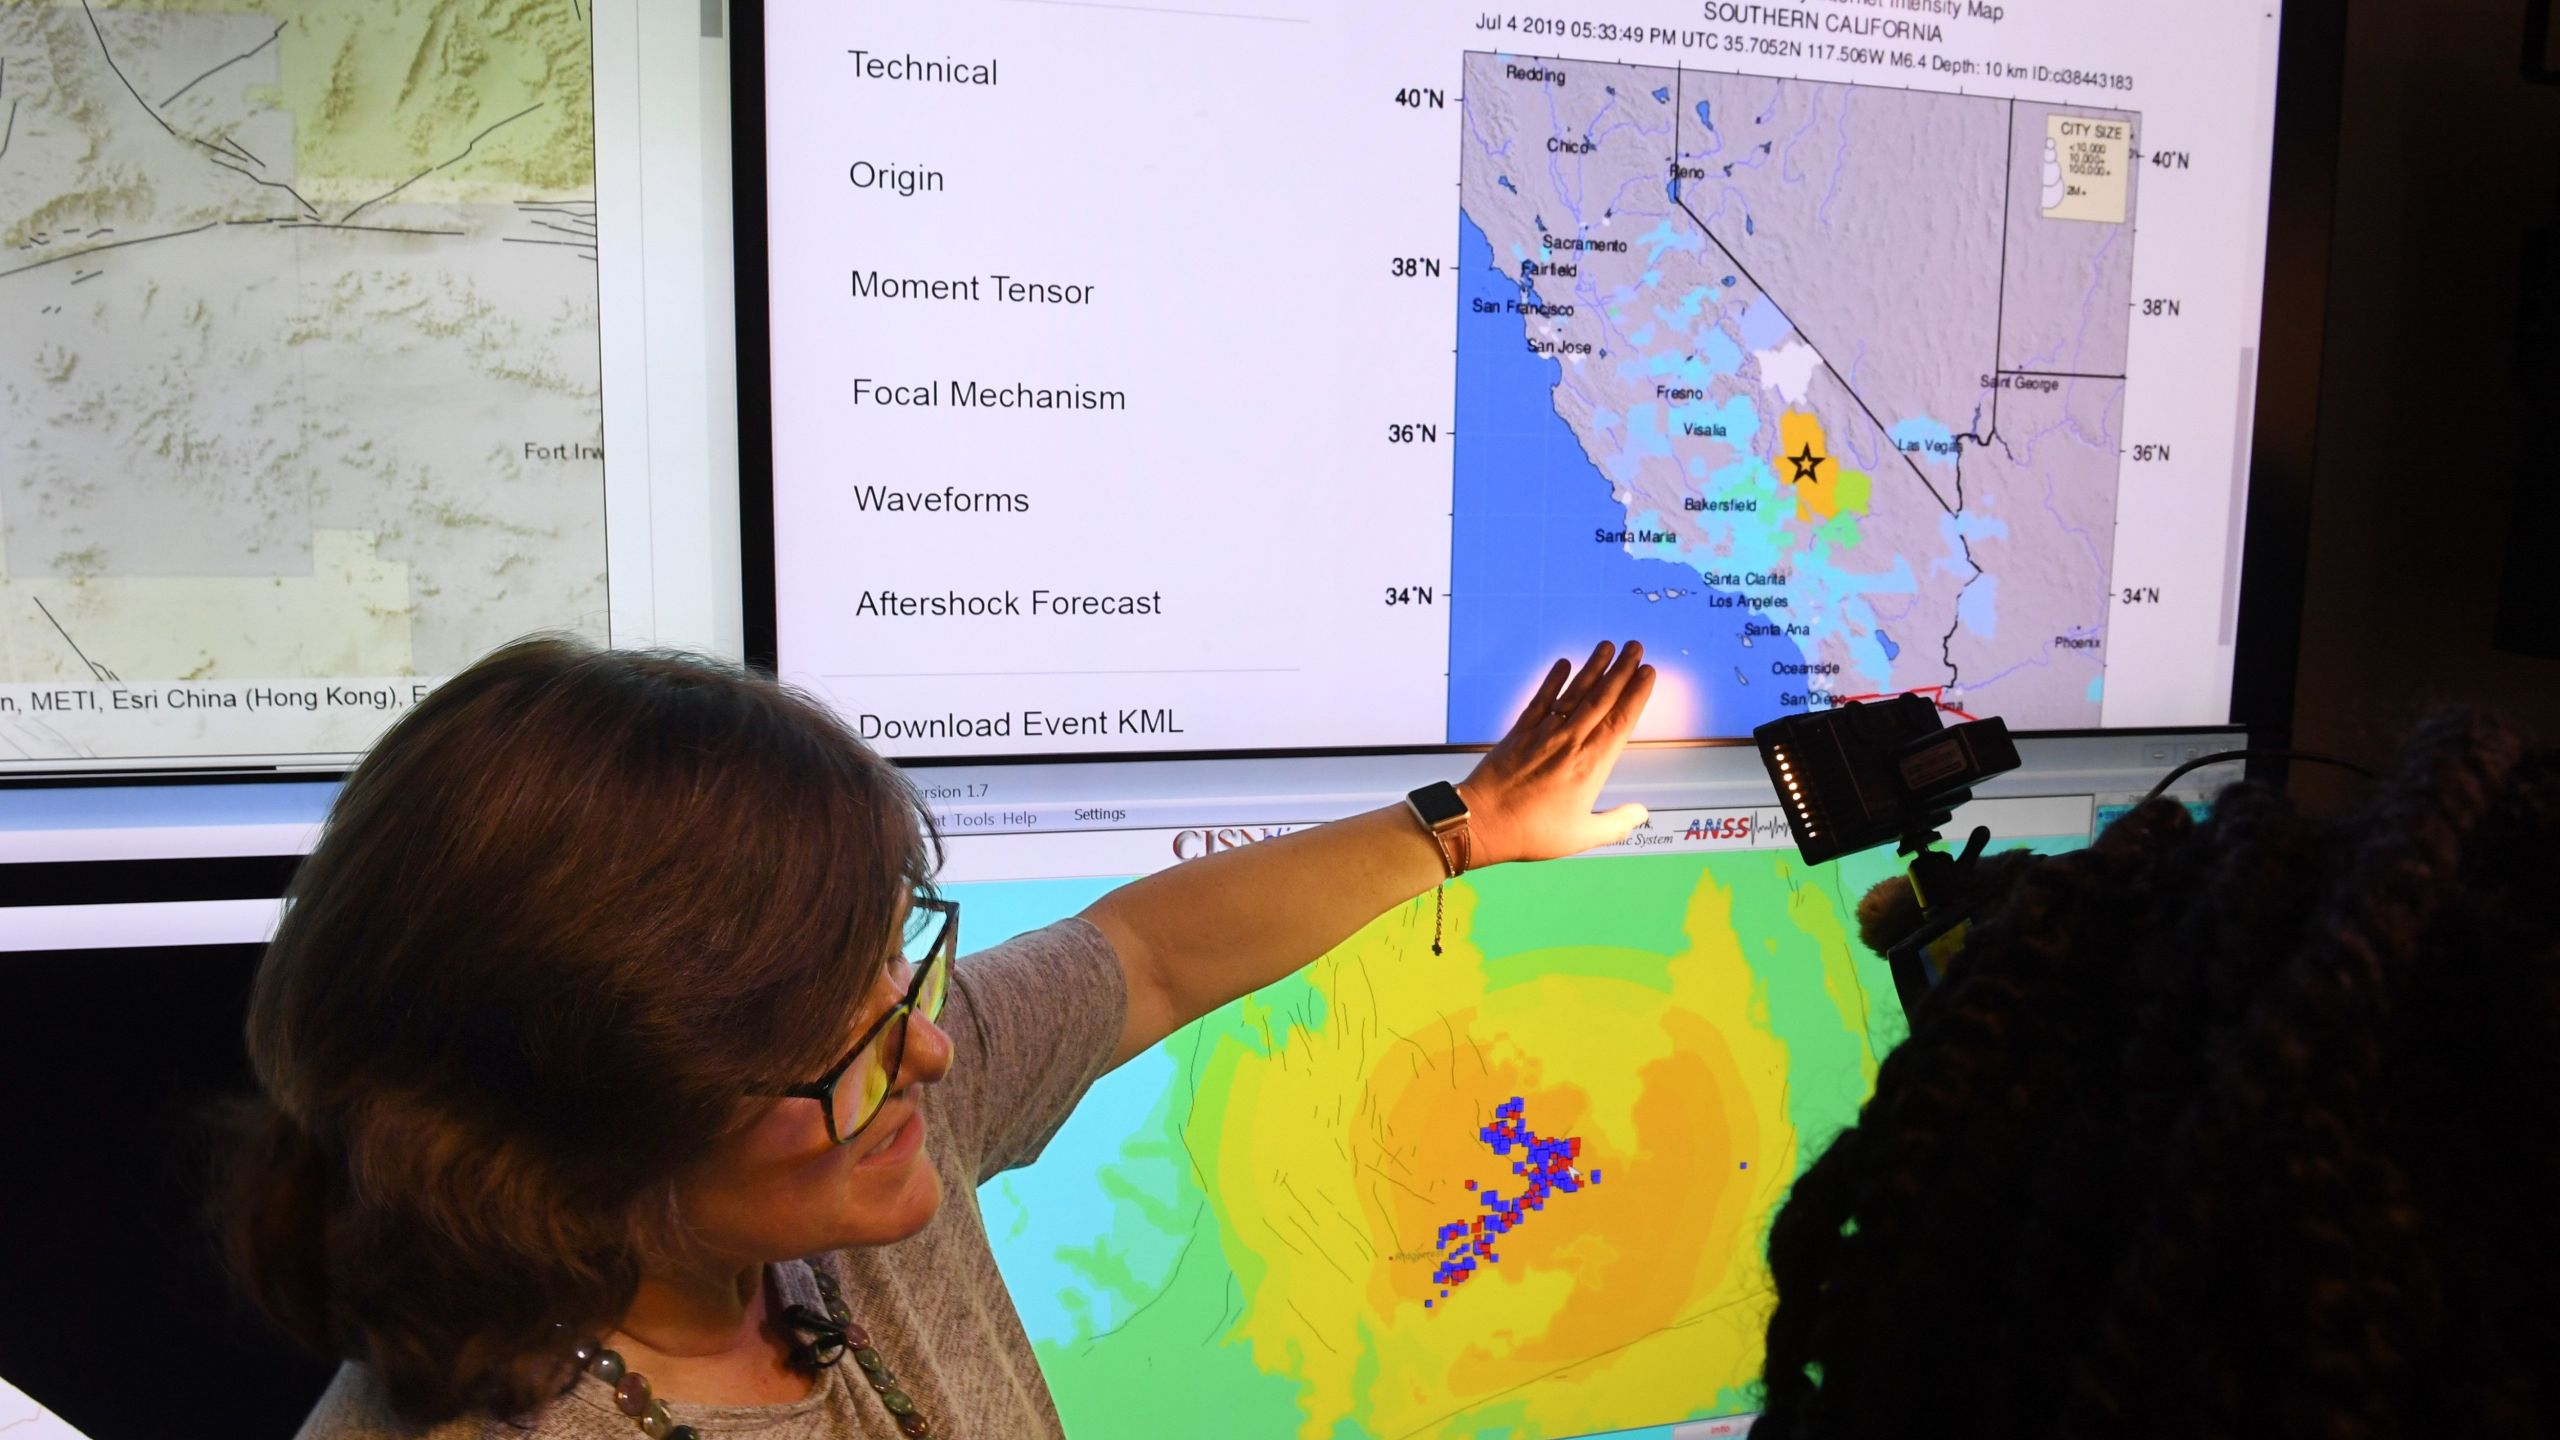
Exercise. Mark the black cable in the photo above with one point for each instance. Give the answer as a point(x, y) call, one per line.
point(2222, 756)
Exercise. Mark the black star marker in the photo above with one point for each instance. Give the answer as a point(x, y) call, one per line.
point(1807, 465)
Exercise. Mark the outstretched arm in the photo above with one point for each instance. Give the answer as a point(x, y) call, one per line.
point(1198, 935)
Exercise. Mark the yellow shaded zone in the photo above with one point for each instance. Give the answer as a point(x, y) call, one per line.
point(1341, 1148)
point(350, 616)
point(1812, 912)
point(1830, 490)
point(394, 92)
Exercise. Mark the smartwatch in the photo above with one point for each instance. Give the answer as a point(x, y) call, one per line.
point(1443, 813)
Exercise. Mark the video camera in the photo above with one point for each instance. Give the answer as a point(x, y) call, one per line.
point(1883, 772)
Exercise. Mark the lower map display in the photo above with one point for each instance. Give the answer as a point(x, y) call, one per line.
point(1521, 1187)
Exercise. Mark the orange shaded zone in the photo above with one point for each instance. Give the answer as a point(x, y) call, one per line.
point(1641, 1248)
point(1805, 465)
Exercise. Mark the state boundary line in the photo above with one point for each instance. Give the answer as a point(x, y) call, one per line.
point(1816, 346)
point(2008, 180)
point(1680, 198)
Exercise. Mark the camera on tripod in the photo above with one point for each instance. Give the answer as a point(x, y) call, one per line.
point(1890, 772)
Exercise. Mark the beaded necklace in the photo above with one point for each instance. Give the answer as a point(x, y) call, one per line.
point(830, 1337)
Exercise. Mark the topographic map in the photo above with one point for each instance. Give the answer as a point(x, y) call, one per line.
point(299, 372)
point(1815, 388)
point(1517, 1188)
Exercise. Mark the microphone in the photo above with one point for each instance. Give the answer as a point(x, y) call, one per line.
point(822, 1341)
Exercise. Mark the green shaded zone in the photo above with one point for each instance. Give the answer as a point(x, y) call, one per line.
point(1164, 1366)
point(1840, 532)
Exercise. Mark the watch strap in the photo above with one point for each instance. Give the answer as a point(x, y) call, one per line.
point(1442, 812)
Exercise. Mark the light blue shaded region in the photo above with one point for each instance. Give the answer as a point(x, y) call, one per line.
point(1954, 531)
point(1979, 606)
point(1683, 314)
point(1764, 325)
point(1034, 1235)
point(122, 807)
point(1716, 353)
point(1741, 421)
point(1661, 239)
point(991, 914)
point(2097, 688)
point(1061, 1247)
point(1645, 434)
point(1926, 439)
point(1897, 581)
point(2110, 814)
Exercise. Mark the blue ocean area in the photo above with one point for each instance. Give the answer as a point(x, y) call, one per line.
point(1043, 1220)
point(1528, 583)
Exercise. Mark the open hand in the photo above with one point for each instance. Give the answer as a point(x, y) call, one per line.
point(1531, 798)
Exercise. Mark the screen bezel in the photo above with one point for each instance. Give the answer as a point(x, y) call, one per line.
point(2311, 48)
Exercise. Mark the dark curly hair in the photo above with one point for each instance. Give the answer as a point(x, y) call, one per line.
point(2241, 1128)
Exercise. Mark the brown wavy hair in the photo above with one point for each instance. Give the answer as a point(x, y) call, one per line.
point(2241, 1128)
point(562, 918)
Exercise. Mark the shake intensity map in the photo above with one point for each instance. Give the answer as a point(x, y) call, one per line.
point(1815, 388)
point(1520, 1187)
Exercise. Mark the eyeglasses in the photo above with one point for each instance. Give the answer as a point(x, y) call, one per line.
point(859, 1084)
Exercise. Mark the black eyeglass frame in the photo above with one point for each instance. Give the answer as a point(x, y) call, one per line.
point(944, 952)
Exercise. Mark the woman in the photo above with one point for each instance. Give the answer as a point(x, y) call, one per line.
point(2232, 1129)
point(608, 1085)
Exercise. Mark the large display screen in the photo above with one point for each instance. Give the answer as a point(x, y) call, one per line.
point(312, 305)
point(1521, 1186)
point(302, 399)
point(1575, 1120)
point(1308, 373)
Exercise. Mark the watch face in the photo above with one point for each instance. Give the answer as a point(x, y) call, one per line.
point(1439, 804)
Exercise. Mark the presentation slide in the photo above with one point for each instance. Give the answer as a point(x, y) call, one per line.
point(1271, 373)
point(1518, 1187)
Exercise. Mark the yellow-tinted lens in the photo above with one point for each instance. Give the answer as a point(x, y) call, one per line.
point(864, 1085)
point(937, 983)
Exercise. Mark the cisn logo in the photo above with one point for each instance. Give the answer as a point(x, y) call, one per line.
point(1192, 844)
